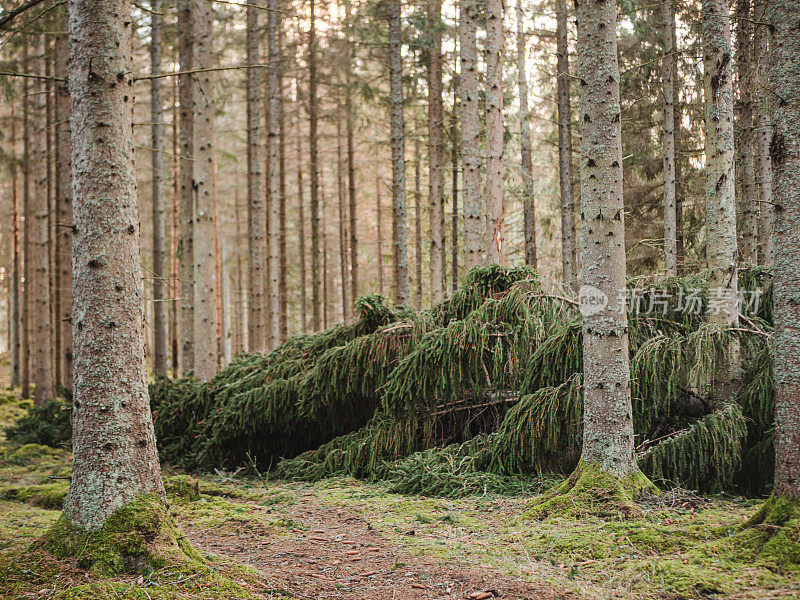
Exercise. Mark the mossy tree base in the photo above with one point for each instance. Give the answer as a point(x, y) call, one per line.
point(590, 490)
point(136, 539)
point(776, 529)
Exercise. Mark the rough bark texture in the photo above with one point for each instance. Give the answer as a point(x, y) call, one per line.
point(316, 300)
point(186, 87)
point(157, 163)
point(435, 143)
point(568, 249)
point(763, 134)
point(494, 130)
point(607, 413)
point(785, 152)
point(205, 318)
point(471, 135)
point(273, 177)
point(721, 251)
point(743, 135)
point(14, 291)
point(41, 364)
point(528, 206)
point(113, 444)
point(256, 211)
point(668, 140)
point(399, 235)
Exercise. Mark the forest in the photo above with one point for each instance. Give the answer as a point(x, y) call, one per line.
point(380, 299)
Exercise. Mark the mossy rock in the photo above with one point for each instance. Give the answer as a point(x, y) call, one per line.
point(137, 538)
point(50, 496)
point(35, 453)
point(590, 490)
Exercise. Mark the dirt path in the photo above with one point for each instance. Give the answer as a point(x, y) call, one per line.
point(336, 553)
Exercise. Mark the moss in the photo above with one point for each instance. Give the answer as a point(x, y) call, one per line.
point(590, 490)
point(35, 453)
point(50, 496)
point(774, 533)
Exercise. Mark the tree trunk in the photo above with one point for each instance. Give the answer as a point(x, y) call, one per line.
point(343, 255)
point(27, 297)
point(455, 159)
point(668, 141)
point(40, 257)
point(607, 413)
point(114, 447)
point(417, 226)
point(273, 176)
point(351, 162)
point(14, 295)
point(743, 137)
point(314, 167)
point(174, 251)
point(205, 347)
point(784, 80)
point(471, 134)
point(494, 130)
point(157, 163)
point(379, 231)
point(399, 244)
point(435, 136)
point(763, 175)
point(52, 219)
point(186, 86)
point(301, 228)
point(256, 210)
point(283, 293)
point(568, 251)
point(528, 206)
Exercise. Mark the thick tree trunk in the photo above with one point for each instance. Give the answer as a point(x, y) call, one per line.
point(157, 163)
point(41, 355)
point(495, 211)
point(784, 81)
point(568, 249)
point(186, 86)
point(471, 135)
point(256, 210)
point(743, 136)
point(14, 290)
point(607, 413)
point(273, 176)
point(316, 299)
point(763, 176)
point(301, 228)
point(113, 443)
point(668, 141)
point(435, 143)
point(205, 318)
point(528, 205)
point(399, 235)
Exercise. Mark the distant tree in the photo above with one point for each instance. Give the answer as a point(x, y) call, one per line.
point(435, 144)
point(668, 140)
point(495, 211)
point(568, 252)
point(528, 206)
point(763, 129)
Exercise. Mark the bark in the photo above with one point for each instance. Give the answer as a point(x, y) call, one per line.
point(668, 140)
point(494, 130)
point(52, 218)
point(399, 234)
point(607, 418)
point(455, 159)
point(435, 143)
point(351, 163)
point(314, 168)
point(41, 364)
point(186, 86)
point(528, 206)
point(379, 231)
point(283, 292)
point(343, 256)
point(14, 291)
point(784, 80)
point(25, 325)
point(324, 234)
point(113, 444)
point(721, 251)
point(157, 164)
point(743, 136)
point(205, 318)
point(301, 231)
point(174, 294)
point(568, 249)
point(273, 177)
point(256, 209)
point(471, 132)
point(417, 226)
point(763, 133)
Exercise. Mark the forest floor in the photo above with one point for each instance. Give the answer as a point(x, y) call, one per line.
point(343, 538)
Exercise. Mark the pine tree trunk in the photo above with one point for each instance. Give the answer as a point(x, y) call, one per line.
point(454, 226)
point(494, 130)
point(283, 292)
point(568, 250)
point(417, 226)
point(379, 231)
point(471, 135)
point(273, 176)
point(399, 235)
point(14, 291)
point(528, 205)
point(784, 81)
point(174, 250)
point(668, 141)
point(114, 447)
point(743, 137)
point(435, 136)
point(205, 318)
point(52, 218)
point(27, 297)
point(314, 168)
point(607, 413)
point(186, 84)
point(256, 210)
point(763, 175)
point(40, 257)
point(343, 255)
point(351, 153)
point(157, 163)
point(676, 129)
point(301, 229)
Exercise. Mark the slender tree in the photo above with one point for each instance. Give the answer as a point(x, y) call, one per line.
point(743, 136)
point(763, 131)
point(273, 175)
point(529, 208)
point(14, 287)
point(313, 110)
point(25, 324)
point(379, 231)
point(668, 140)
point(454, 155)
point(435, 143)
point(301, 229)
point(417, 225)
point(494, 130)
point(351, 152)
point(342, 214)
